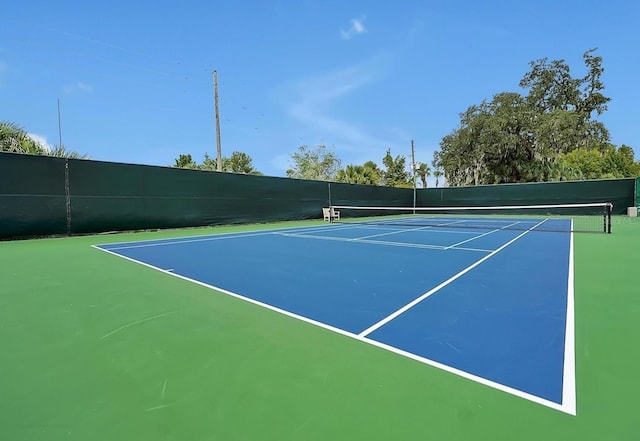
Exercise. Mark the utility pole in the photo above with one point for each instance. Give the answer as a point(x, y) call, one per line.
point(217, 112)
point(59, 126)
point(413, 168)
point(67, 191)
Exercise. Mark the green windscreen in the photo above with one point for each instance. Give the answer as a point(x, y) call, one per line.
point(619, 192)
point(32, 195)
point(111, 196)
point(41, 196)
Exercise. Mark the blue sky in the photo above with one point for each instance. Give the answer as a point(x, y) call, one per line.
point(134, 78)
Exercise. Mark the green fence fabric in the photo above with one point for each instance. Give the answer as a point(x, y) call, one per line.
point(42, 196)
point(370, 195)
point(32, 195)
point(620, 192)
point(637, 192)
point(111, 196)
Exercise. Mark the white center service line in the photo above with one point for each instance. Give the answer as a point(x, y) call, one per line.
point(410, 305)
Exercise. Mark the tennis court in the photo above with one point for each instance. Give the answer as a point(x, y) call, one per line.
point(311, 330)
point(461, 299)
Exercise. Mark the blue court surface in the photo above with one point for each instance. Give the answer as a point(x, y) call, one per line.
point(487, 303)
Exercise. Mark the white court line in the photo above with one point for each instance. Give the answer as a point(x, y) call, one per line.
point(223, 236)
point(382, 242)
point(410, 305)
point(209, 237)
point(460, 373)
point(404, 230)
point(401, 228)
point(499, 386)
point(569, 374)
point(481, 235)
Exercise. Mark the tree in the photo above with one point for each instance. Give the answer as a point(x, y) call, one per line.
point(605, 162)
point(622, 160)
point(396, 174)
point(551, 86)
point(437, 174)
point(185, 161)
point(15, 139)
point(357, 174)
point(423, 172)
point(239, 162)
point(588, 161)
point(376, 173)
point(516, 138)
point(319, 164)
point(61, 151)
point(209, 163)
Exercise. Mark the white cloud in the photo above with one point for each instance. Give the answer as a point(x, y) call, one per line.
point(311, 103)
point(42, 140)
point(356, 27)
point(79, 87)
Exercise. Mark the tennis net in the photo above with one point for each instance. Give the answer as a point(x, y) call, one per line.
point(592, 217)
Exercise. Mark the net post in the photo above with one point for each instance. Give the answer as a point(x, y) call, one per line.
point(330, 206)
point(413, 168)
point(608, 210)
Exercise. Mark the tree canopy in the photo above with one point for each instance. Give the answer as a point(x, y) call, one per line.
point(526, 138)
point(15, 139)
point(357, 174)
point(423, 171)
point(396, 174)
point(320, 163)
point(185, 161)
point(238, 162)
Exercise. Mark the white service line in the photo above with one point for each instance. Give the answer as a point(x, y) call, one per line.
point(410, 305)
point(383, 242)
point(481, 235)
point(400, 228)
point(404, 230)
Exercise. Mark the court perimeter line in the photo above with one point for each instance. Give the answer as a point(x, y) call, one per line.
point(444, 367)
point(569, 374)
point(410, 305)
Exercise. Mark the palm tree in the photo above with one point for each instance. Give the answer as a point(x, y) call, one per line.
point(423, 171)
point(376, 173)
point(61, 151)
point(437, 173)
point(14, 139)
point(357, 174)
